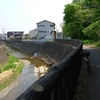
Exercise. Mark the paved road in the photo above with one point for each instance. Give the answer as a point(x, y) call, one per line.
point(94, 86)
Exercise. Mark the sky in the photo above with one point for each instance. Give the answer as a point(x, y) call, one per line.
point(22, 15)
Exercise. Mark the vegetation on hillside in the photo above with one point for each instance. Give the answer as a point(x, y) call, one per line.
point(16, 66)
point(11, 63)
point(82, 20)
point(11, 79)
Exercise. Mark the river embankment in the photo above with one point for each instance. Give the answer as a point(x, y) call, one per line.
point(32, 70)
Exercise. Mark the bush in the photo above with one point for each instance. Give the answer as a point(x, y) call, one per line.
point(11, 63)
point(5, 49)
point(0, 70)
point(7, 54)
point(13, 59)
point(9, 66)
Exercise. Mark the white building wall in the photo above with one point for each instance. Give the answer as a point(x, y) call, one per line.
point(33, 33)
point(44, 28)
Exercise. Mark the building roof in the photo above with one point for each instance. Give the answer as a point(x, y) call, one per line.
point(45, 21)
point(15, 31)
point(33, 30)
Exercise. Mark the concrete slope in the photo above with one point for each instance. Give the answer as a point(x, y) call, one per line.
point(3, 55)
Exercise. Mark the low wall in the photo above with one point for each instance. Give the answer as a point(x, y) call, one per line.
point(60, 82)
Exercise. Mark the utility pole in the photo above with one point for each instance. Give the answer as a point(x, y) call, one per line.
point(3, 33)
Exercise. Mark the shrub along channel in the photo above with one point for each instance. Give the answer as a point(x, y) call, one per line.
point(10, 71)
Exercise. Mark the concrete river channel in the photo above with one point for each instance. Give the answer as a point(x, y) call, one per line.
point(32, 71)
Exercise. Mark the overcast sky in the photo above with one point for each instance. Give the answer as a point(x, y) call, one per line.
point(22, 15)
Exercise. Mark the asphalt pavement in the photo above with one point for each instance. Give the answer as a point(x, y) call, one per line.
point(94, 83)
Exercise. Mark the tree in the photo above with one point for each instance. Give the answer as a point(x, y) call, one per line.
point(63, 26)
point(93, 30)
point(77, 1)
point(70, 20)
point(81, 19)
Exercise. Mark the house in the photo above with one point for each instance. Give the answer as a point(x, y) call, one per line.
point(15, 34)
point(33, 33)
point(44, 28)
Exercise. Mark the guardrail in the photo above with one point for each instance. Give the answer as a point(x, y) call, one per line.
point(61, 80)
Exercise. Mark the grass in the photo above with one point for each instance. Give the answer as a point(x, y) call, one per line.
point(91, 42)
point(5, 48)
point(5, 85)
point(98, 44)
point(7, 54)
point(11, 65)
point(15, 75)
point(18, 71)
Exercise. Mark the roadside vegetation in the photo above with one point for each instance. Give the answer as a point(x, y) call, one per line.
point(82, 21)
point(91, 42)
point(11, 63)
point(13, 69)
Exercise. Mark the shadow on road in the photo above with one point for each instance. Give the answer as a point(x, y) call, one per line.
point(89, 84)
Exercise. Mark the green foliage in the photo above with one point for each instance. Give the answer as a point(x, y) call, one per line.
point(64, 29)
point(9, 66)
point(16, 73)
point(70, 11)
point(88, 42)
point(18, 70)
point(4, 85)
point(4, 48)
point(26, 37)
point(92, 42)
point(70, 24)
point(7, 54)
point(77, 1)
point(11, 63)
point(0, 70)
point(82, 19)
point(93, 31)
point(13, 59)
point(98, 44)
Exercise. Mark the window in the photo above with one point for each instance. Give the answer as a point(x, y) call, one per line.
point(42, 31)
point(51, 25)
point(40, 25)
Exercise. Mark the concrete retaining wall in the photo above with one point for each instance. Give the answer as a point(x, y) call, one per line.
point(58, 50)
point(3, 54)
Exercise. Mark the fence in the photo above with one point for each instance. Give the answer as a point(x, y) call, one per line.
point(60, 81)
